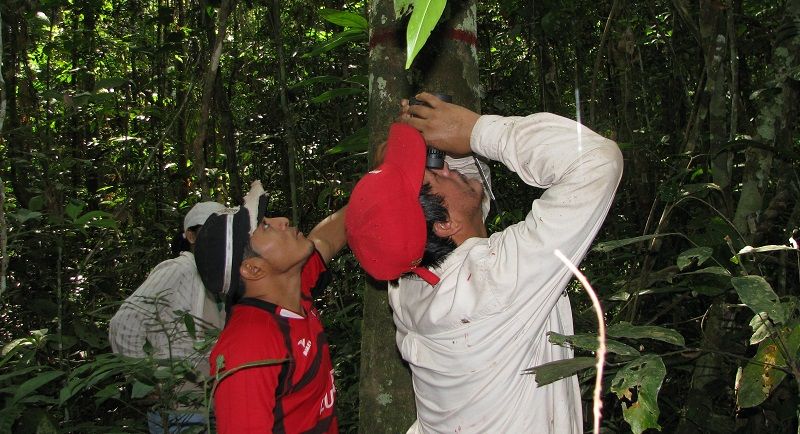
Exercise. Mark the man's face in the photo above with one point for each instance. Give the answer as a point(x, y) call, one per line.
point(280, 245)
point(461, 194)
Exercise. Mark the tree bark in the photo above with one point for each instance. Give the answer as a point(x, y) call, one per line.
point(447, 64)
point(288, 120)
point(775, 124)
point(386, 396)
point(198, 145)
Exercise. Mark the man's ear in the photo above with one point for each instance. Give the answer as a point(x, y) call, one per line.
point(191, 236)
point(446, 229)
point(251, 269)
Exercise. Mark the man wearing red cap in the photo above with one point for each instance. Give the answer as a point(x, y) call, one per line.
point(473, 311)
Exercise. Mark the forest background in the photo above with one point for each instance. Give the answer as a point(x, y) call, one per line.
point(117, 115)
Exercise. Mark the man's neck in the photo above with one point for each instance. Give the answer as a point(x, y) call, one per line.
point(281, 290)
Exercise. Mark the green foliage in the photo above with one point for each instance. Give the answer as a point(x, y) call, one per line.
point(424, 17)
point(638, 384)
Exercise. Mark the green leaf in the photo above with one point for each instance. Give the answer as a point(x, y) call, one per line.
point(73, 209)
point(335, 93)
point(696, 256)
point(357, 142)
point(627, 330)
point(140, 390)
point(188, 321)
point(761, 328)
point(345, 19)
point(643, 376)
point(36, 203)
point(690, 189)
point(22, 215)
point(589, 342)
point(554, 371)
point(341, 38)
point(756, 381)
point(608, 246)
point(758, 295)
point(32, 385)
point(717, 271)
point(100, 219)
point(423, 19)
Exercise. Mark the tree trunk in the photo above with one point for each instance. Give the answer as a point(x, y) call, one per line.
point(288, 120)
point(447, 64)
point(386, 396)
point(198, 145)
point(775, 123)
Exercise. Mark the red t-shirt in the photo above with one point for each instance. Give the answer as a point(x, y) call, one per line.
point(292, 397)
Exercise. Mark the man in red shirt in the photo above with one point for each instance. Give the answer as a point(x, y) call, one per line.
point(271, 360)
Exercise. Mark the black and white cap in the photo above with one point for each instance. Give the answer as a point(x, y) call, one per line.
point(221, 241)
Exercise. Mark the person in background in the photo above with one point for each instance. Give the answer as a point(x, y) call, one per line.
point(473, 310)
point(152, 321)
point(271, 361)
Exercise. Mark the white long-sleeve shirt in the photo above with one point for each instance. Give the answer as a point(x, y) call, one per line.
point(468, 339)
point(150, 314)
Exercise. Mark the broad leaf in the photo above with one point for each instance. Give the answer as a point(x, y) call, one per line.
point(696, 256)
point(346, 19)
point(761, 328)
point(638, 383)
point(589, 342)
point(554, 371)
point(423, 19)
point(758, 295)
point(335, 93)
point(140, 390)
point(97, 219)
point(756, 381)
point(32, 385)
point(327, 79)
point(608, 246)
point(22, 215)
point(718, 271)
point(110, 83)
point(341, 38)
point(627, 330)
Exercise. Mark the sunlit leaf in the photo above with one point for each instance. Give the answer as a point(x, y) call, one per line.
point(554, 371)
point(424, 17)
point(758, 295)
point(696, 256)
point(638, 384)
point(345, 19)
point(756, 381)
point(761, 328)
point(608, 246)
point(341, 38)
point(627, 330)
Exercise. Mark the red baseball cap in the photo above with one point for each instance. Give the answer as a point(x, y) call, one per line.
point(384, 222)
